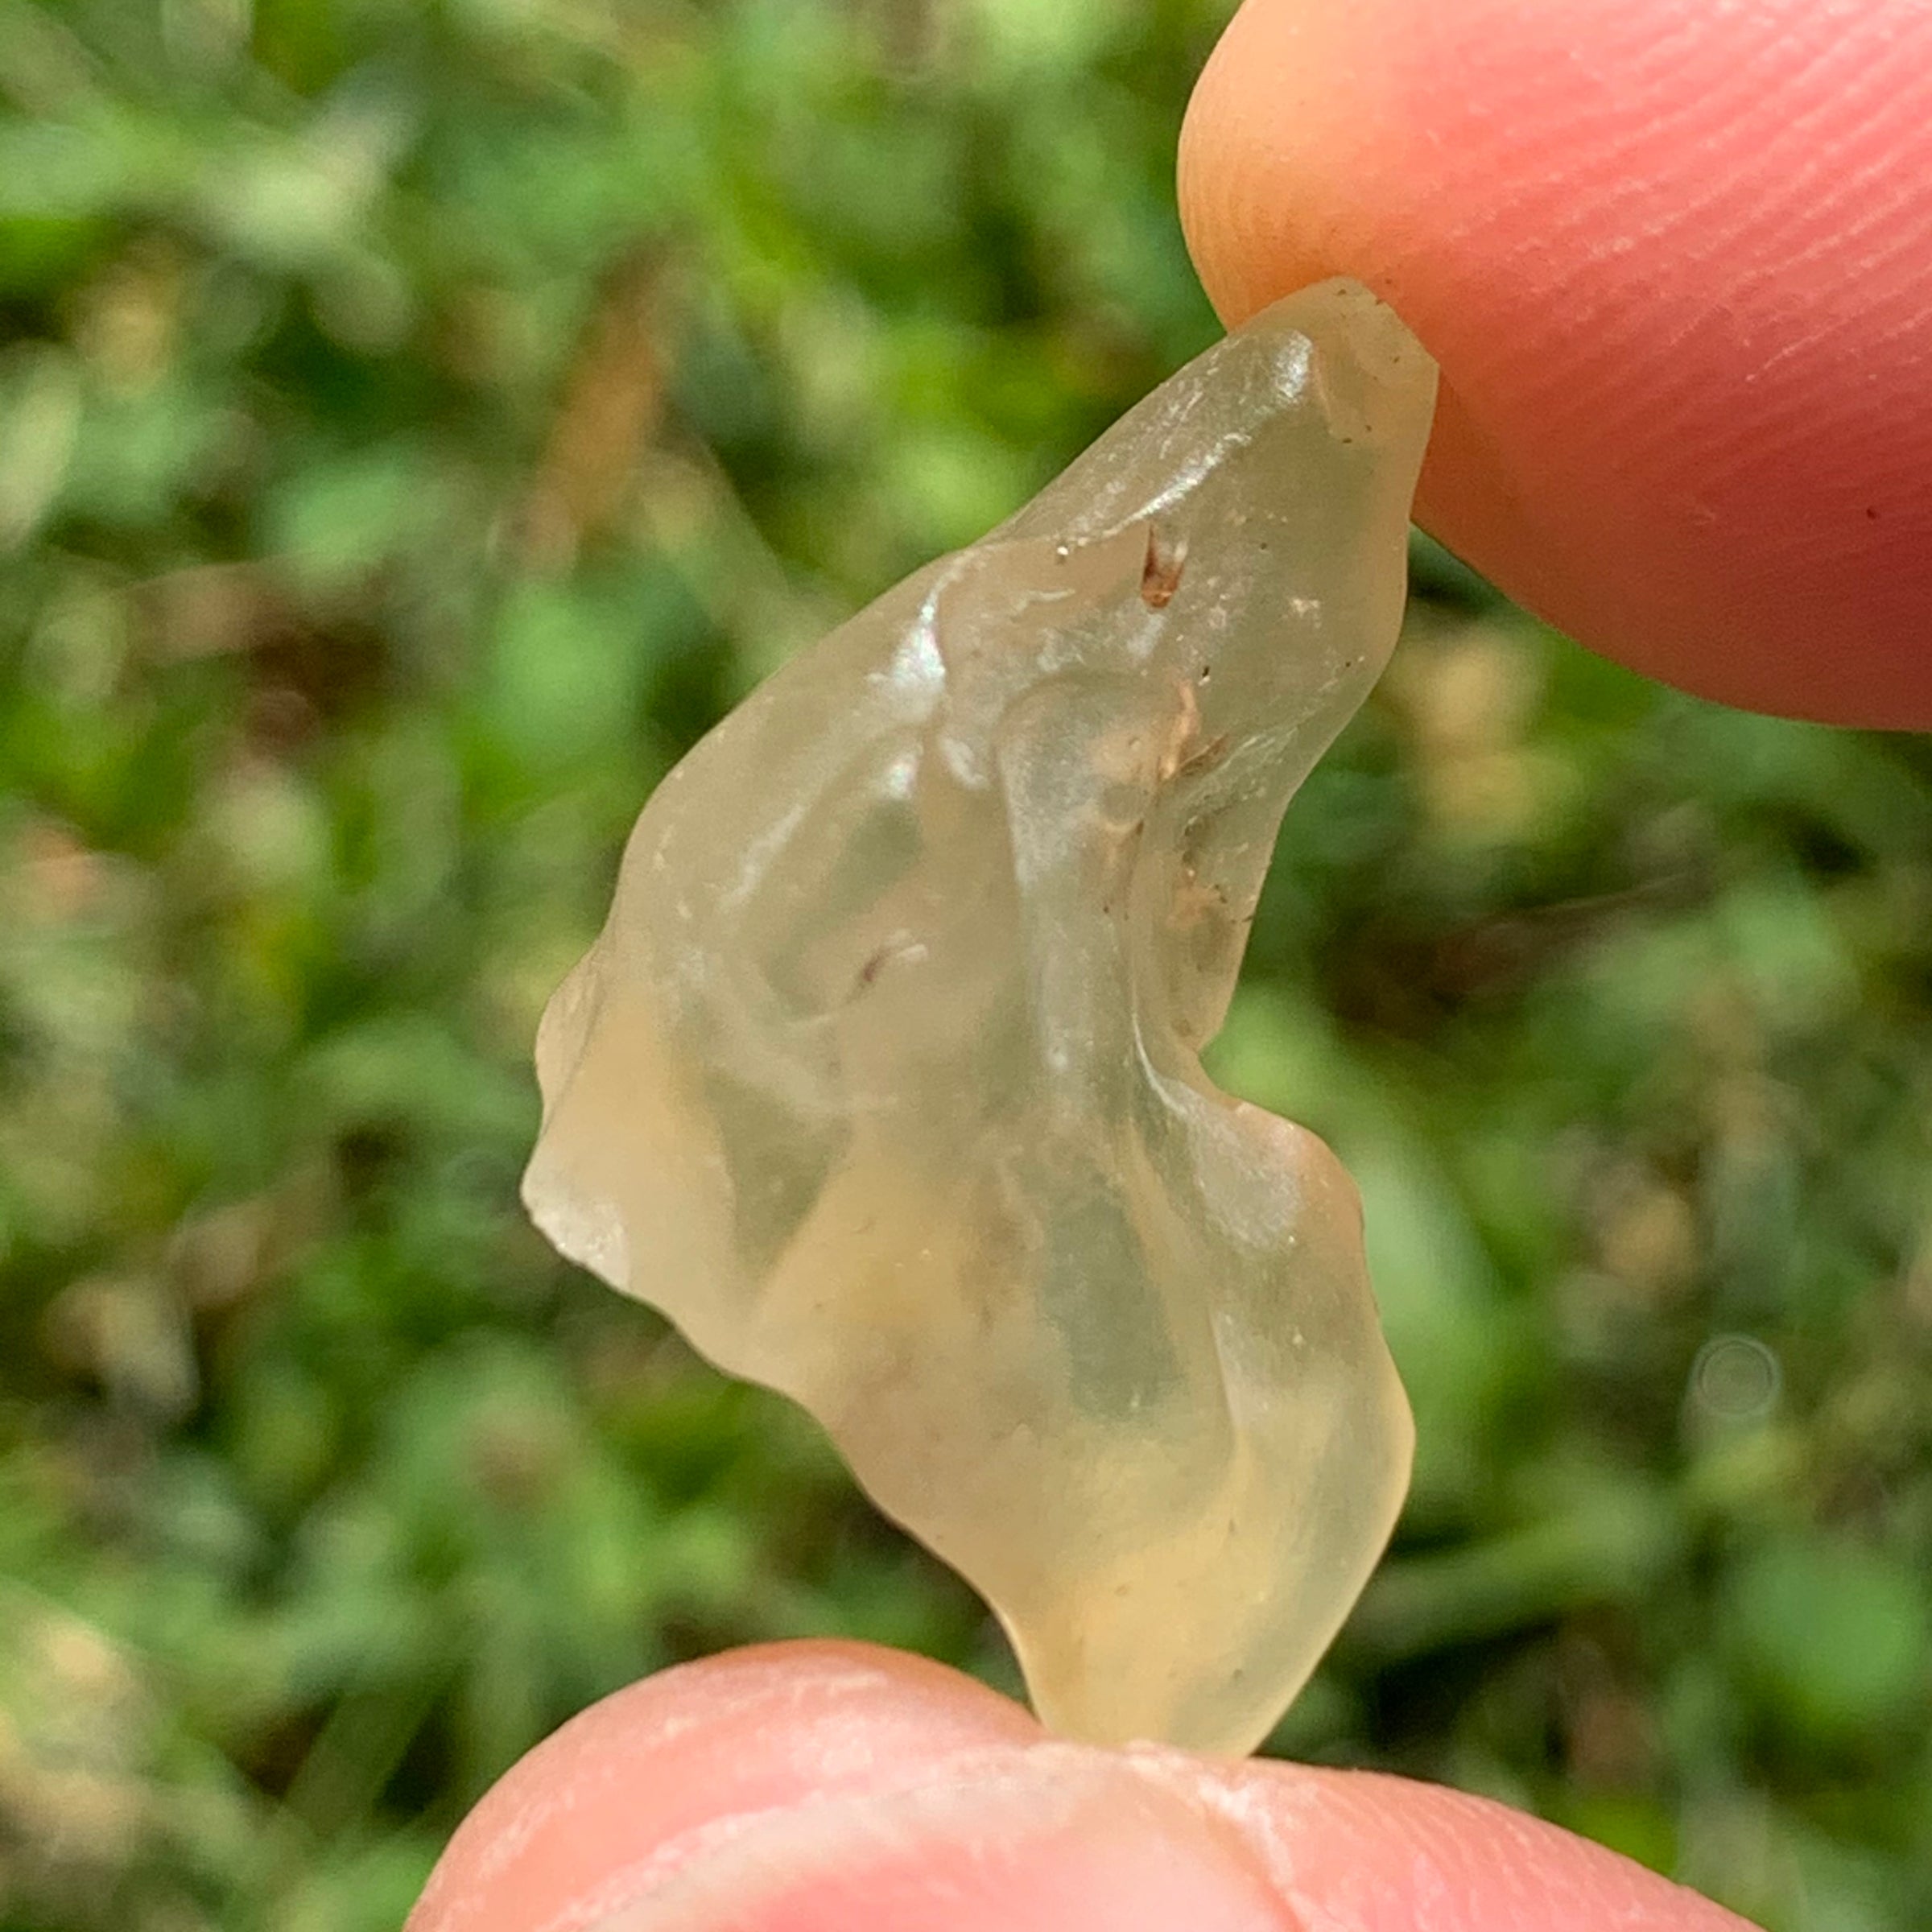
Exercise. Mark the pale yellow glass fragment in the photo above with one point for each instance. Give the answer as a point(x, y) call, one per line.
point(882, 1078)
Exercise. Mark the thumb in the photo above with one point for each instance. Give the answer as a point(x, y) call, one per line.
point(802, 1788)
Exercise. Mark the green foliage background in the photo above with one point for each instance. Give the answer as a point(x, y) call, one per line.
point(417, 422)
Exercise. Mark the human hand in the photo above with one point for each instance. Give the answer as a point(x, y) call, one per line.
point(840, 1788)
point(1675, 259)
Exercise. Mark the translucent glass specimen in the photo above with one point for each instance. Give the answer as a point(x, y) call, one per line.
point(882, 1079)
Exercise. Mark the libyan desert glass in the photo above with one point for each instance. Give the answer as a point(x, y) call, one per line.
point(883, 1080)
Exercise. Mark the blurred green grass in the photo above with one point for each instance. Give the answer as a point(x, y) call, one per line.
point(417, 423)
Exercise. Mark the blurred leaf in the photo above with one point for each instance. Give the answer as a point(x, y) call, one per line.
point(1839, 1637)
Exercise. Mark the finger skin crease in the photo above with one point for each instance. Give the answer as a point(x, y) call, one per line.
point(1358, 1851)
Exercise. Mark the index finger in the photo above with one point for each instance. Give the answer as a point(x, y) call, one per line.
point(1674, 258)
